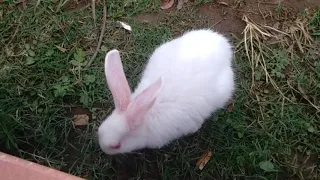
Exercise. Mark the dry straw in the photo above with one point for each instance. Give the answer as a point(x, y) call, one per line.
point(257, 40)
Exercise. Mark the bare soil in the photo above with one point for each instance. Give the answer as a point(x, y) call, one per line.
point(226, 16)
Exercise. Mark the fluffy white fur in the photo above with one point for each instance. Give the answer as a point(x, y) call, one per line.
point(191, 77)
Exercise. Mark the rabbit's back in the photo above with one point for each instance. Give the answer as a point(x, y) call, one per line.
point(198, 79)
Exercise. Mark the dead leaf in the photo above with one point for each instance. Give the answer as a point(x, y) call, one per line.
point(230, 106)
point(204, 159)
point(80, 119)
point(125, 26)
point(223, 3)
point(166, 4)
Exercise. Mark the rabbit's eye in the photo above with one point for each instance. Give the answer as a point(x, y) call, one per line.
point(117, 146)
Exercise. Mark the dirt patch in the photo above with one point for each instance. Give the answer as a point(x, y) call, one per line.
point(304, 166)
point(153, 18)
point(223, 18)
point(226, 16)
point(130, 166)
point(74, 5)
point(299, 5)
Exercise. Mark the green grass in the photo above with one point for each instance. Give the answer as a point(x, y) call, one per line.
point(315, 22)
point(41, 85)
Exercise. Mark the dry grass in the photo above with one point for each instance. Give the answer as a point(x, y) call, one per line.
point(258, 39)
point(103, 29)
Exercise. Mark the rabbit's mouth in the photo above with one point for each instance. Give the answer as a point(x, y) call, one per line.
point(117, 146)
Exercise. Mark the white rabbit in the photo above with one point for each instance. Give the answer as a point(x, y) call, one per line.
point(184, 82)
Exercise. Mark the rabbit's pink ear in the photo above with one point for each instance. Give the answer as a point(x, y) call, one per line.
point(116, 80)
point(141, 104)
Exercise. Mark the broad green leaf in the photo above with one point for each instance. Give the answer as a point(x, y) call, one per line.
point(31, 53)
point(267, 166)
point(311, 129)
point(79, 55)
point(50, 52)
point(104, 48)
point(27, 46)
point(240, 160)
point(30, 61)
point(88, 79)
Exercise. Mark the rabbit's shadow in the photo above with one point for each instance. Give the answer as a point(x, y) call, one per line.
point(148, 163)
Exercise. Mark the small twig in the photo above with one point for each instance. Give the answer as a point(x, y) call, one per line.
point(24, 4)
point(94, 12)
point(37, 4)
point(16, 30)
point(216, 23)
point(302, 92)
point(274, 29)
point(104, 20)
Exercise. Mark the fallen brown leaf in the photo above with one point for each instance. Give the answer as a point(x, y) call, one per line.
point(80, 119)
point(166, 4)
point(230, 106)
point(204, 159)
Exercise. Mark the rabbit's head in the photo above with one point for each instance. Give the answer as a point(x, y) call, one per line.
point(116, 133)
